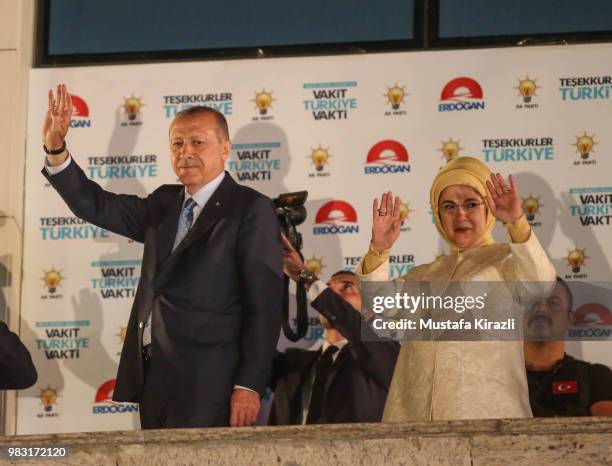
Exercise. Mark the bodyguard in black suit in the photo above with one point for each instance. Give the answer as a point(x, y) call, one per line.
point(206, 316)
point(347, 384)
point(17, 370)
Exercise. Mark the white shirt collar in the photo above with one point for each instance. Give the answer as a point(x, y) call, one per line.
point(339, 344)
point(202, 196)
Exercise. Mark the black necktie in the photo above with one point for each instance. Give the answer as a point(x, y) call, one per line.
point(324, 365)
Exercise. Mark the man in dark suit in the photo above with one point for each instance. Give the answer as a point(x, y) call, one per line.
point(206, 316)
point(347, 380)
point(17, 370)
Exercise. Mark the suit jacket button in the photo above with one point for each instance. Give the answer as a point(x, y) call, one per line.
point(141, 325)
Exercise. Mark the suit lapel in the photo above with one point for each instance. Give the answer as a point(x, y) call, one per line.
point(216, 208)
point(298, 382)
point(342, 355)
point(300, 370)
point(166, 231)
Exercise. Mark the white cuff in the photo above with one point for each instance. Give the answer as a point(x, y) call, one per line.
point(244, 388)
point(317, 287)
point(55, 170)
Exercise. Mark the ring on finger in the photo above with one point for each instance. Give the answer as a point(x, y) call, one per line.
point(382, 212)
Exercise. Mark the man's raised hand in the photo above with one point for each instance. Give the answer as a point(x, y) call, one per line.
point(57, 122)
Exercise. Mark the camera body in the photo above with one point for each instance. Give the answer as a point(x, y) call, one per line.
point(291, 213)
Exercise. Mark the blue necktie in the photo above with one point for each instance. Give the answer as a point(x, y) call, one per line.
point(185, 221)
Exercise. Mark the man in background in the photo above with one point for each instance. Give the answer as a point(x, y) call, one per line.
point(347, 379)
point(560, 385)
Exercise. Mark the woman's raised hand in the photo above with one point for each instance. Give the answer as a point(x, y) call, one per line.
point(504, 201)
point(386, 221)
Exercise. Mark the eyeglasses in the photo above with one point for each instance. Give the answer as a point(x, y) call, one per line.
point(469, 207)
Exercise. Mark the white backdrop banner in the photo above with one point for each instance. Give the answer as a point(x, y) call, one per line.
point(344, 128)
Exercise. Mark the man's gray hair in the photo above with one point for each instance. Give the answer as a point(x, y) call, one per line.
point(222, 128)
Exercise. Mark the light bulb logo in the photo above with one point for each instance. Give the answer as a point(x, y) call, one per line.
point(48, 398)
point(584, 144)
point(53, 279)
point(263, 101)
point(132, 106)
point(527, 88)
point(395, 95)
point(531, 205)
point(319, 157)
point(450, 149)
point(405, 211)
point(122, 333)
point(576, 259)
point(315, 265)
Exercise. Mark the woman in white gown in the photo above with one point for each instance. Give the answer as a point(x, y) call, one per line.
point(462, 379)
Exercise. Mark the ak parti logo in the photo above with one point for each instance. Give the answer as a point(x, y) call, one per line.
point(53, 280)
point(336, 217)
point(48, 399)
point(315, 265)
point(80, 113)
point(450, 149)
point(585, 144)
point(387, 156)
point(263, 101)
point(461, 94)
